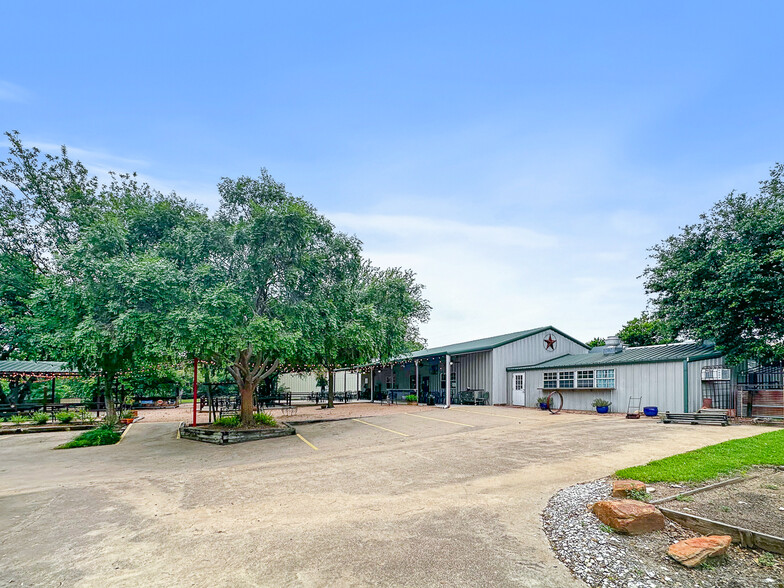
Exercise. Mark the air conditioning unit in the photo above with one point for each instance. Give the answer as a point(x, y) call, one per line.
point(712, 374)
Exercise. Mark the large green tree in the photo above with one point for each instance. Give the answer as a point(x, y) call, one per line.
point(723, 277)
point(257, 309)
point(91, 272)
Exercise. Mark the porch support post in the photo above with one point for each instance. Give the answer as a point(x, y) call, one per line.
point(448, 380)
point(416, 378)
point(371, 383)
point(53, 397)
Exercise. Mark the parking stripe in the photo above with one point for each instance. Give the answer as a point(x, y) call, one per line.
point(308, 442)
point(503, 416)
point(434, 419)
point(382, 428)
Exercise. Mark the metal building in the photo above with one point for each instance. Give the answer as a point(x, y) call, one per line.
point(476, 370)
point(674, 377)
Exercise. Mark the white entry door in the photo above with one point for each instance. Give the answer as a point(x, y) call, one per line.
point(518, 388)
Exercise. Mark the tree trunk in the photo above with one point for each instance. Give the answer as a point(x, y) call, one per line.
point(108, 394)
point(248, 370)
point(246, 404)
point(331, 384)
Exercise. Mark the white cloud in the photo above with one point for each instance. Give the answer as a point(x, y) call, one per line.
point(483, 280)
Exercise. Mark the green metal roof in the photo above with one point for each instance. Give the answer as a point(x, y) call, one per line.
point(475, 346)
point(35, 367)
point(630, 355)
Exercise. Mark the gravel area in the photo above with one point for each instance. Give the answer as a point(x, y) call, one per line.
point(610, 560)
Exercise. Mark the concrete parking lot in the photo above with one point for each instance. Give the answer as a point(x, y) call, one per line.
point(439, 497)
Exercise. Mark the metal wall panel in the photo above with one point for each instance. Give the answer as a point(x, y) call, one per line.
point(299, 383)
point(528, 351)
point(660, 384)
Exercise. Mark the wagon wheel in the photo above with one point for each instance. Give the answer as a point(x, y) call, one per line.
point(555, 402)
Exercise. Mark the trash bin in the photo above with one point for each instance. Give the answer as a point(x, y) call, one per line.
point(431, 400)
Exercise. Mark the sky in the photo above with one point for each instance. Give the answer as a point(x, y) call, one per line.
point(520, 157)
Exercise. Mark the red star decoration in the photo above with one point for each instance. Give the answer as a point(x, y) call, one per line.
point(549, 343)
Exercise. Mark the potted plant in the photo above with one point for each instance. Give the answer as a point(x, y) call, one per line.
point(602, 406)
point(411, 399)
point(126, 418)
point(542, 401)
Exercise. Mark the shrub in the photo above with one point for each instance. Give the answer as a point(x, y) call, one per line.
point(262, 418)
point(541, 400)
point(411, 398)
point(640, 495)
point(85, 416)
point(600, 402)
point(40, 417)
point(19, 419)
point(103, 435)
point(65, 417)
point(229, 422)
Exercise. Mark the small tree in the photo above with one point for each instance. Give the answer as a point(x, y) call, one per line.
point(646, 330)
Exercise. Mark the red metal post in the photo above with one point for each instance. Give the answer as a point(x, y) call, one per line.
point(195, 386)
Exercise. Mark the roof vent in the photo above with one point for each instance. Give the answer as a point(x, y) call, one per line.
point(612, 344)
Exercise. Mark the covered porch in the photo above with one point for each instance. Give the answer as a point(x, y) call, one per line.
point(426, 378)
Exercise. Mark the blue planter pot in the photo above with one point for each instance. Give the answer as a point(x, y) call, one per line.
point(543, 405)
point(602, 409)
point(650, 411)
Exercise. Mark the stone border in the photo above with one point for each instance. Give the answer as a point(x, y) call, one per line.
point(44, 429)
point(228, 437)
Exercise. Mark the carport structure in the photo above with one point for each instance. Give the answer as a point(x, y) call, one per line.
point(22, 374)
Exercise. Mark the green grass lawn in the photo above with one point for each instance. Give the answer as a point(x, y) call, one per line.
point(712, 461)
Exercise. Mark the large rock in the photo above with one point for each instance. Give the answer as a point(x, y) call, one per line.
point(621, 487)
point(692, 552)
point(629, 516)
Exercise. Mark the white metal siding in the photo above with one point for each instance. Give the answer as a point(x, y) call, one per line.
point(526, 351)
point(299, 383)
point(474, 370)
point(660, 384)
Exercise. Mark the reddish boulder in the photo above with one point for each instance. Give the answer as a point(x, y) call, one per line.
point(629, 516)
point(621, 487)
point(692, 552)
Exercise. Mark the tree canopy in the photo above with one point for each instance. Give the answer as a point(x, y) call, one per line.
point(646, 330)
point(723, 277)
point(114, 276)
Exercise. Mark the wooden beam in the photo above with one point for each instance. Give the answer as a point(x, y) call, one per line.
point(746, 537)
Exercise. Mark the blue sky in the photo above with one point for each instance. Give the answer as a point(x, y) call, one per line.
point(521, 157)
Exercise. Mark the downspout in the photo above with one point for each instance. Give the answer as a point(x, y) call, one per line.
point(686, 385)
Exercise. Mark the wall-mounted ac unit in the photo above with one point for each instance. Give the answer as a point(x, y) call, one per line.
point(710, 374)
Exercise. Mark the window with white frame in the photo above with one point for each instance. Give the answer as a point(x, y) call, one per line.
point(566, 379)
point(550, 380)
point(585, 378)
point(605, 378)
point(519, 382)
